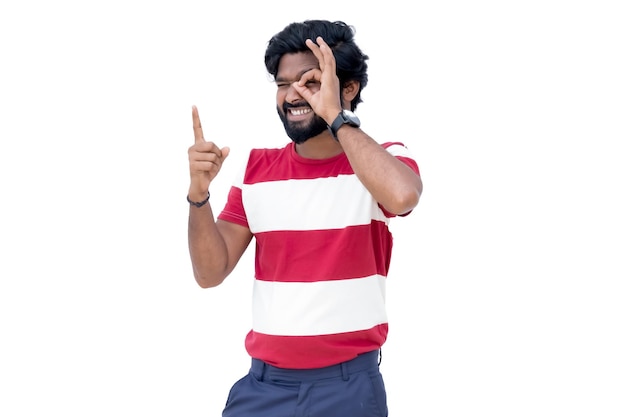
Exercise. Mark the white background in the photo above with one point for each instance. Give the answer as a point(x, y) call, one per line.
point(506, 291)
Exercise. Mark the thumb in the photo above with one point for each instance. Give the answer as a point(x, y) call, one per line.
point(225, 152)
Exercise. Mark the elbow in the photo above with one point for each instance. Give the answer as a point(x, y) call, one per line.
point(204, 283)
point(405, 200)
point(208, 280)
point(406, 196)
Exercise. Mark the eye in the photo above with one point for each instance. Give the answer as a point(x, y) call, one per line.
point(313, 84)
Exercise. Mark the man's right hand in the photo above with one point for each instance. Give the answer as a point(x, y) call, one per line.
point(205, 160)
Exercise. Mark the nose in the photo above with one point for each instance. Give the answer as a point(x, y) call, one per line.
point(292, 95)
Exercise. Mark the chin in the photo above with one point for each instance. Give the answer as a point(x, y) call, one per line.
point(301, 131)
point(298, 137)
point(301, 135)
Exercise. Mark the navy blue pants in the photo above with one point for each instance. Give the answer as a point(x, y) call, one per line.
point(350, 389)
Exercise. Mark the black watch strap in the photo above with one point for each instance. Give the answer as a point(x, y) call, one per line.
point(344, 117)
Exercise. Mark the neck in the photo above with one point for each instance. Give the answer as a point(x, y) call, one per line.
point(322, 146)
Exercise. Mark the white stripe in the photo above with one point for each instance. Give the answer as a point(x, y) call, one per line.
point(240, 175)
point(309, 204)
point(400, 150)
point(317, 308)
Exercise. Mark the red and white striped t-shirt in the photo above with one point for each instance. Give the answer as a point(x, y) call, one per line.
point(323, 249)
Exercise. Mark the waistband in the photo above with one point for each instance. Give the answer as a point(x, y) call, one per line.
point(362, 362)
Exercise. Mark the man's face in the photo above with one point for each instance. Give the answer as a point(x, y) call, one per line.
point(299, 120)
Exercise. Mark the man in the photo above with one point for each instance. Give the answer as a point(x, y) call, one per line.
point(319, 210)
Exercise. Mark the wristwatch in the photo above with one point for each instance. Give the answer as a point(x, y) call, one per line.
point(345, 117)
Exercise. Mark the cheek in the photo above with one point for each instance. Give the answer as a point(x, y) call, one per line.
point(280, 99)
point(281, 93)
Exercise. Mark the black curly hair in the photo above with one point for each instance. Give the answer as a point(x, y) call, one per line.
point(351, 61)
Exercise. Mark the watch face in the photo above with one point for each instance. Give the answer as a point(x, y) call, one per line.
point(344, 117)
point(351, 117)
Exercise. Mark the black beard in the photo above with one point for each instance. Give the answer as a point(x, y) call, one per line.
point(301, 132)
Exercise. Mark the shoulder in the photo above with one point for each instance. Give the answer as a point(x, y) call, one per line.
point(265, 164)
point(400, 151)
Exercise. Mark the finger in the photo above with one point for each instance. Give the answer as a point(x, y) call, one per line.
point(316, 51)
point(328, 58)
point(197, 126)
point(205, 149)
point(196, 155)
point(203, 161)
point(310, 75)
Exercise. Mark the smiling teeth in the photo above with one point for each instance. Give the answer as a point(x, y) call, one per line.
point(299, 112)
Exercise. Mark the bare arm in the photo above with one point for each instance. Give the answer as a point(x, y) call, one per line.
point(214, 247)
point(391, 182)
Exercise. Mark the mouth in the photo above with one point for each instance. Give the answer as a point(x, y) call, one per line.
point(299, 113)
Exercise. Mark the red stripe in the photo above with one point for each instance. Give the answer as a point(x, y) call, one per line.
point(233, 210)
point(352, 252)
point(305, 352)
point(285, 164)
point(410, 162)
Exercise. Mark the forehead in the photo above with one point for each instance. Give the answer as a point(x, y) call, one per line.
point(292, 66)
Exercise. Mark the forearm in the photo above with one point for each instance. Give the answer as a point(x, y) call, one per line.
point(207, 247)
point(391, 182)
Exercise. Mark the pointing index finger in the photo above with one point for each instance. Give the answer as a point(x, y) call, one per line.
point(197, 126)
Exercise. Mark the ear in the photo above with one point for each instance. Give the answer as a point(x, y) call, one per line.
point(349, 91)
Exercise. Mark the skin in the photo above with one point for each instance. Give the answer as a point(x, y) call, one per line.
point(307, 77)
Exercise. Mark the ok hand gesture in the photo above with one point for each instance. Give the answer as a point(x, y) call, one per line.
point(325, 101)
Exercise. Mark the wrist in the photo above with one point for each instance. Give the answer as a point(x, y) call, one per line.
point(344, 117)
point(197, 193)
point(332, 115)
point(199, 202)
